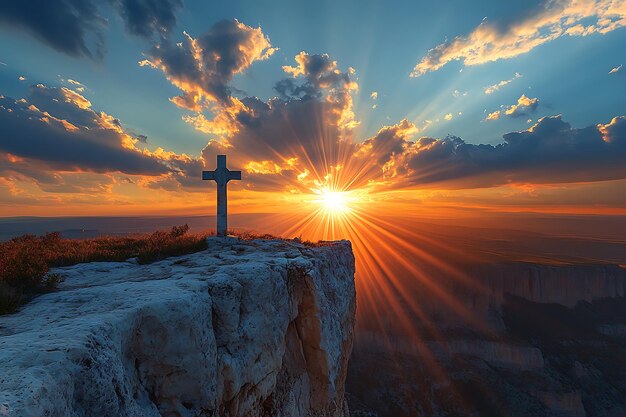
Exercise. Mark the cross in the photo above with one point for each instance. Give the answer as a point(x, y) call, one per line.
point(221, 176)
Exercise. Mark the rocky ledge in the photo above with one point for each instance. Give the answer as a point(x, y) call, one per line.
point(244, 328)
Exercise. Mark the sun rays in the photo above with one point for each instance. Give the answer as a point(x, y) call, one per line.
point(404, 272)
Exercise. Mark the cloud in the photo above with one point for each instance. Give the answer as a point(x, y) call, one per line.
point(523, 107)
point(551, 151)
point(75, 85)
point(492, 41)
point(615, 70)
point(56, 130)
point(203, 67)
point(294, 139)
point(493, 88)
point(374, 95)
point(289, 142)
point(457, 93)
point(371, 158)
point(494, 115)
point(303, 139)
point(76, 27)
point(146, 17)
point(448, 116)
point(21, 78)
point(321, 74)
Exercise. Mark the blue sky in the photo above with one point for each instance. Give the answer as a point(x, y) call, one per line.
point(382, 41)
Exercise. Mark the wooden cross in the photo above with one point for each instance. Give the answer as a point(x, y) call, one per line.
point(221, 176)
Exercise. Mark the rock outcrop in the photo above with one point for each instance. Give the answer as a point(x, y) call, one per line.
point(245, 328)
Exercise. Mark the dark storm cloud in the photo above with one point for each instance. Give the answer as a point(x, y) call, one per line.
point(75, 27)
point(58, 128)
point(549, 152)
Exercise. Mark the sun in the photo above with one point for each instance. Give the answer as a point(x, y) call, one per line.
point(327, 212)
point(333, 201)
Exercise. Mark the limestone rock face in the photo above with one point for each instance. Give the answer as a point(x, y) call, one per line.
point(245, 328)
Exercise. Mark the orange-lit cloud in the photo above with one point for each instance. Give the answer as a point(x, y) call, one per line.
point(55, 130)
point(550, 20)
point(203, 67)
point(303, 141)
point(308, 128)
point(523, 107)
point(551, 151)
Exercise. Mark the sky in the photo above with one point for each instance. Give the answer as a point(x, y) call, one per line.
point(115, 108)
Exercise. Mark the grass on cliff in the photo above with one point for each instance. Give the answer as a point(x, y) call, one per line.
point(25, 261)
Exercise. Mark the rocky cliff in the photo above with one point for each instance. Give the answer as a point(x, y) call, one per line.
point(245, 328)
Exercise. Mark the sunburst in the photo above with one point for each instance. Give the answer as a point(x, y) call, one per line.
point(333, 202)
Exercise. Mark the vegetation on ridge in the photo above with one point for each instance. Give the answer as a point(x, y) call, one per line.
point(25, 260)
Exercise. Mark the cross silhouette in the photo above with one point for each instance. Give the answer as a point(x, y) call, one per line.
point(221, 176)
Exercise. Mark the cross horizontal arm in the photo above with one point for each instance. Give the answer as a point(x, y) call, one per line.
point(234, 175)
point(208, 175)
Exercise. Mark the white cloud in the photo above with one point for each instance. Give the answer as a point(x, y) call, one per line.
point(491, 41)
point(493, 88)
point(73, 84)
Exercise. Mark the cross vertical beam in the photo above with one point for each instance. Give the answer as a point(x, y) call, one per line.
point(221, 176)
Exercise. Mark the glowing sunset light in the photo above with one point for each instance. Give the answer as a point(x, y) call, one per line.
point(334, 201)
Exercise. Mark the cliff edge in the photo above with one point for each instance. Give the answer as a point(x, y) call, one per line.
point(244, 328)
